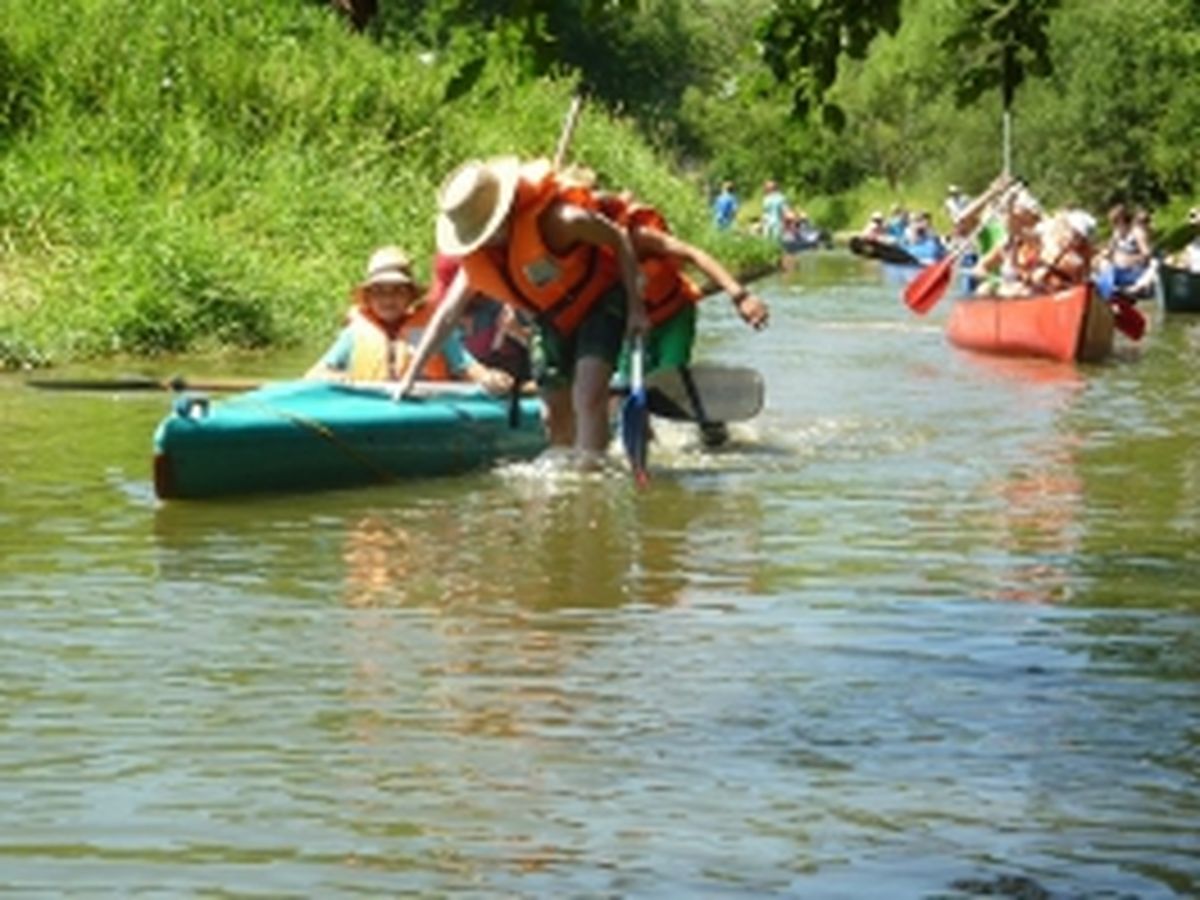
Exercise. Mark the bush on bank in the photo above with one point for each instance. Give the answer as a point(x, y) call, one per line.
point(179, 176)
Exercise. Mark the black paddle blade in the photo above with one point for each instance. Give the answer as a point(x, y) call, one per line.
point(705, 393)
point(882, 250)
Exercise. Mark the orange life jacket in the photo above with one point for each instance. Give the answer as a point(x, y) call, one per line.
point(524, 272)
point(382, 354)
point(666, 289)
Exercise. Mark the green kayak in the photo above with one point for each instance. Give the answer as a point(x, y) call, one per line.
point(310, 435)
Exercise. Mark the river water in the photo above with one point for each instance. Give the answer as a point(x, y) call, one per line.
point(927, 629)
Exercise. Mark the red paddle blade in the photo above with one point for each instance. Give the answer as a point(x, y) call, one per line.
point(924, 291)
point(1128, 318)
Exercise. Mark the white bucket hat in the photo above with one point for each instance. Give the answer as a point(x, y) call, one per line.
point(1082, 223)
point(387, 265)
point(473, 203)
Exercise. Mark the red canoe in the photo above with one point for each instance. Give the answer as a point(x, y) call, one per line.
point(1072, 325)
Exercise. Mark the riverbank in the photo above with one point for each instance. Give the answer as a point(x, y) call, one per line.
point(221, 187)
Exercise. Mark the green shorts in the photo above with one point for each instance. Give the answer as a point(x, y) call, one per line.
point(668, 345)
point(600, 334)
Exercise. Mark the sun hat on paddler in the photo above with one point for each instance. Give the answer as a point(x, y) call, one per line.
point(473, 202)
point(387, 265)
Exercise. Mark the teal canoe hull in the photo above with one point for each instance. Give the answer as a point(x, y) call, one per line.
point(308, 436)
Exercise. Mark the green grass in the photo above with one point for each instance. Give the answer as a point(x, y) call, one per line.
point(182, 177)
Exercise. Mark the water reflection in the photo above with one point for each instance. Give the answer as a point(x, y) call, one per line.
point(778, 672)
point(578, 543)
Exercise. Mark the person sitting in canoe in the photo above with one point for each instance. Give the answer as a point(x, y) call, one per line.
point(1006, 268)
point(670, 296)
point(922, 242)
point(897, 223)
point(956, 203)
point(1189, 257)
point(1066, 251)
point(571, 269)
point(1126, 262)
point(390, 310)
point(495, 334)
point(799, 233)
point(875, 230)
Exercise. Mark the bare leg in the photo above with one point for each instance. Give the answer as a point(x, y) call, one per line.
point(590, 395)
point(560, 416)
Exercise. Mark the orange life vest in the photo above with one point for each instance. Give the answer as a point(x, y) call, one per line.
point(666, 289)
point(524, 272)
point(382, 354)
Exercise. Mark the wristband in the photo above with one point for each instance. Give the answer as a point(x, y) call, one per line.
point(740, 296)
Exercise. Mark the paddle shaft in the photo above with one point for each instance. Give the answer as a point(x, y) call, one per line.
point(568, 131)
point(924, 291)
point(146, 383)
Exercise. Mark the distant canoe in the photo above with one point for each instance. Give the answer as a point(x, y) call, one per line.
point(1180, 289)
point(1073, 325)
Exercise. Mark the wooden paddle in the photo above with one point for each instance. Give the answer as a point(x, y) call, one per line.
point(568, 131)
point(1127, 318)
point(923, 292)
point(872, 248)
point(146, 383)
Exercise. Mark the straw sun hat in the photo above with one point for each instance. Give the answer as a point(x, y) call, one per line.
point(387, 265)
point(473, 203)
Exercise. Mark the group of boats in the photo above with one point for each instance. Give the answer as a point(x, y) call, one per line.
point(314, 435)
point(1071, 325)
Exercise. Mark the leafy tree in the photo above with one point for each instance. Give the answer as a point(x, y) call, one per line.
point(803, 40)
point(999, 43)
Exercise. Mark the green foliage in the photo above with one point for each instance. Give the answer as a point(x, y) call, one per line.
point(998, 43)
point(177, 175)
point(189, 175)
point(803, 41)
point(20, 92)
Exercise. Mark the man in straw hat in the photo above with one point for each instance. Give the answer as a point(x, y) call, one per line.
point(388, 315)
point(522, 242)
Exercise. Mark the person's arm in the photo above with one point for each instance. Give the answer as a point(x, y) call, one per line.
point(989, 262)
point(565, 225)
point(1145, 250)
point(335, 364)
point(463, 364)
point(652, 242)
point(970, 216)
point(444, 319)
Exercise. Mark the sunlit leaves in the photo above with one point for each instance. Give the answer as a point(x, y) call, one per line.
point(803, 40)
